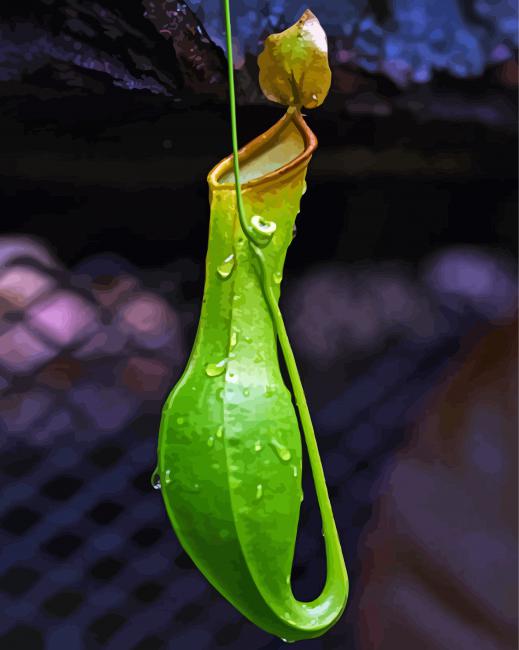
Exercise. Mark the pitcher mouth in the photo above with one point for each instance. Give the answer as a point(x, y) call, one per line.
point(284, 133)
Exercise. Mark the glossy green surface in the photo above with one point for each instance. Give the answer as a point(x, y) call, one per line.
point(229, 446)
point(229, 455)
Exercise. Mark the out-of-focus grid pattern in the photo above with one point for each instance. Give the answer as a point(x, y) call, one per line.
point(88, 556)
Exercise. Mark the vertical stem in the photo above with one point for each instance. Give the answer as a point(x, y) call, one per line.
point(234, 128)
point(334, 557)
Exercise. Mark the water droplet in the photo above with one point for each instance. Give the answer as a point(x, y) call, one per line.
point(232, 377)
point(246, 392)
point(304, 189)
point(236, 297)
point(226, 268)
point(262, 226)
point(220, 393)
point(302, 497)
point(283, 453)
point(259, 491)
point(294, 470)
point(257, 446)
point(180, 420)
point(247, 339)
point(168, 476)
point(215, 369)
point(234, 339)
point(285, 640)
point(294, 231)
point(210, 441)
point(196, 487)
point(215, 465)
point(155, 480)
point(277, 277)
point(219, 432)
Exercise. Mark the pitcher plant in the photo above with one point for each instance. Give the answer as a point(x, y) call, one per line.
point(229, 453)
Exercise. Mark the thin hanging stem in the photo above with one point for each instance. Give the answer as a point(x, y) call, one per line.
point(234, 129)
point(334, 557)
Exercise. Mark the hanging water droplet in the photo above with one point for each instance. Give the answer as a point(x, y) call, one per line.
point(277, 277)
point(215, 369)
point(257, 446)
point(234, 339)
point(301, 498)
point(246, 392)
point(219, 432)
point(168, 476)
point(155, 480)
point(283, 453)
point(259, 491)
point(304, 188)
point(285, 640)
point(294, 231)
point(226, 268)
point(262, 226)
point(210, 441)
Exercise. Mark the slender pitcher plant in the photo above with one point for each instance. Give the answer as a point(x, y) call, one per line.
point(229, 452)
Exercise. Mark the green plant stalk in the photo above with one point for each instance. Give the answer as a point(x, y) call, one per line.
point(335, 592)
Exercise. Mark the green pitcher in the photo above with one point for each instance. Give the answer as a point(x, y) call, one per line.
point(229, 454)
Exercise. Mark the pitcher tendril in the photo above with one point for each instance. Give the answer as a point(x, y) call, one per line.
point(229, 446)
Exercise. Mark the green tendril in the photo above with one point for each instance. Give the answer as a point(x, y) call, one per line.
point(334, 558)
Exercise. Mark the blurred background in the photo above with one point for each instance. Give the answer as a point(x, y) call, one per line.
point(399, 294)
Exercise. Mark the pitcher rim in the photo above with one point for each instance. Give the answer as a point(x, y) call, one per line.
point(255, 145)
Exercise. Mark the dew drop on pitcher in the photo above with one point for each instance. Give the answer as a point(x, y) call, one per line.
point(282, 452)
point(219, 432)
point(259, 491)
point(215, 369)
point(225, 269)
point(210, 441)
point(257, 446)
point(277, 277)
point(155, 480)
point(234, 339)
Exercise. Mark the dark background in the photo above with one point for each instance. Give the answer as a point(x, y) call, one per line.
point(404, 262)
